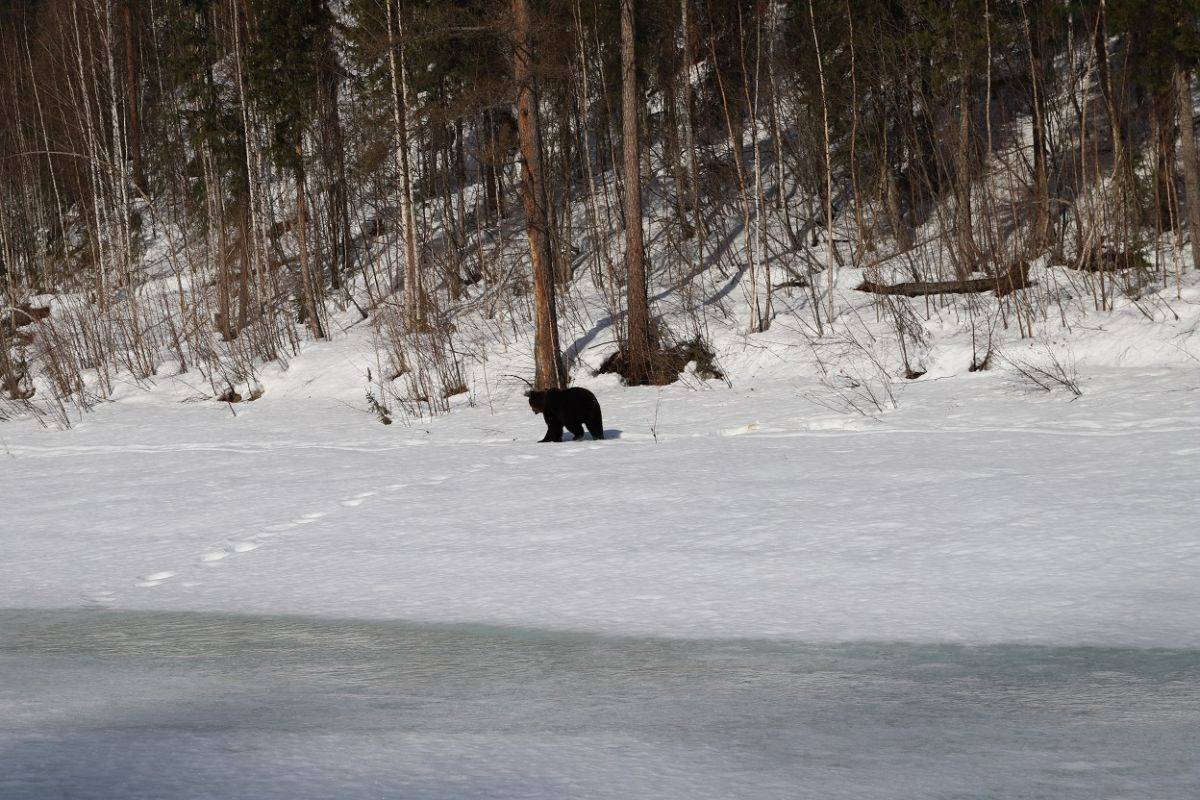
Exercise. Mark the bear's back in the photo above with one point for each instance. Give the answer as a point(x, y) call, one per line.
point(574, 402)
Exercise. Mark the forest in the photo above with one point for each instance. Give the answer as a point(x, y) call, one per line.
point(202, 186)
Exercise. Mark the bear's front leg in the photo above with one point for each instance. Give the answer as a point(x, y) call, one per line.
point(554, 430)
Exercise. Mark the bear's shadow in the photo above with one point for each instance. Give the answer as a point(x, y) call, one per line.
point(609, 433)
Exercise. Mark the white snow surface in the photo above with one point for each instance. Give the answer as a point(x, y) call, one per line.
point(977, 511)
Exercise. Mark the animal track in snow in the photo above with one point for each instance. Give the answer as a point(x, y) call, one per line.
point(749, 427)
point(357, 500)
point(219, 554)
point(155, 578)
point(214, 554)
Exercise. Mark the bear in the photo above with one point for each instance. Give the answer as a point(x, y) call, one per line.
point(572, 408)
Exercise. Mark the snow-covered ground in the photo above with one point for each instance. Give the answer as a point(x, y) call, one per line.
point(978, 511)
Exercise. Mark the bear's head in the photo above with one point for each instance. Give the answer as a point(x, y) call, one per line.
point(537, 401)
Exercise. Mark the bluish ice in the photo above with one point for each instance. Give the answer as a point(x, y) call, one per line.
point(107, 704)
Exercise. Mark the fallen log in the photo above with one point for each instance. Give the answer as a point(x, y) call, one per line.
point(1017, 277)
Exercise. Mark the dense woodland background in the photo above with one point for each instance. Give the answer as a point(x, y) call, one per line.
point(204, 184)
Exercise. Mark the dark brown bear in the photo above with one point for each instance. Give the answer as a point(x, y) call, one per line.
point(572, 409)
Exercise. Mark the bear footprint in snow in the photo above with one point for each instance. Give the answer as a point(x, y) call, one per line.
point(155, 578)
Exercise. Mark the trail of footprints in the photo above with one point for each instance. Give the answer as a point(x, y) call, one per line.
point(216, 554)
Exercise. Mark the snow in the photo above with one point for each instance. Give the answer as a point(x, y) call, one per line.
point(977, 511)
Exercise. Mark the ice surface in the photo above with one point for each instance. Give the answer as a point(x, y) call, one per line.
point(132, 705)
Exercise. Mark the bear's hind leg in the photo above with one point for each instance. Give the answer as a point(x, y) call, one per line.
point(576, 430)
point(595, 427)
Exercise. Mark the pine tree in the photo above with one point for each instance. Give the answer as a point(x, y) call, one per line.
point(284, 68)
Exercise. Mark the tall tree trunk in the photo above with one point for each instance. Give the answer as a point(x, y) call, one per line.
point(492, 155)
point(216, 224)
point(1162, 121)
point(967, 259)
point(689, 133)
point(413, 303)
point(673, 150)
point(639, 345)
point(1191, 171)
point(308, 286)
point(132, 120)
point(830, 264)
point(550, 373)
point(334, 154)
point(1041, 179)
point(244, 250)
point(1122, 167)
point(255, 261)
point(1100, 45)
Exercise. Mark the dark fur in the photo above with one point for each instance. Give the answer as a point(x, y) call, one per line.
point(573, 409)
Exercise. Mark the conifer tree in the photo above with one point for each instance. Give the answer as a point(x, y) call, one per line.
point(284, 66)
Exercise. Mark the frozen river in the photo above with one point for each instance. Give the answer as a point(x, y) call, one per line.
point(104, 704)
